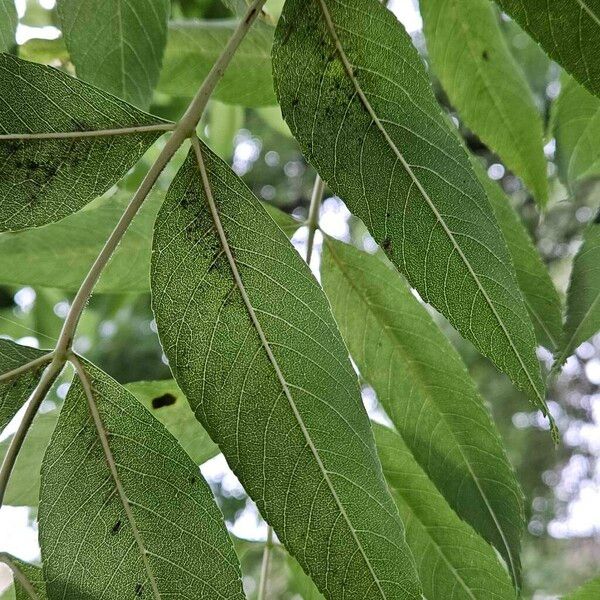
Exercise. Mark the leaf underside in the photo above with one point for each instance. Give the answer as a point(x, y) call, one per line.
point(424, 387)
point(454, 562)
point(28, 580)
point(263, 366)
point(150, 529)
point(117, 45)
point(42, 181)
point(368, 121)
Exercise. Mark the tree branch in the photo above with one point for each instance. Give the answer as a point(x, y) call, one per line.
point(313, 215)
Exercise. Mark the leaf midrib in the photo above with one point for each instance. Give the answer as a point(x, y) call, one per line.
point(348, 69)
point(426, 395)
point(265, 343)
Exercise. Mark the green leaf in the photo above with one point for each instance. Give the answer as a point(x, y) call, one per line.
point(116, 485)
point(251, 341)
point(368, 121)
point(8, 25)
point(43, 180)
point(117, 45)
point(567, 30)
point(453, 561)
point(24, 485)
point(583, 295)
point(576, 127)
point(474, 64)
point(168, 404)
point(28, 580)
point(59, 255)
point(15, 391)
point(194, 46)
point(224, 121)
point(540, 295)
point(424, 387)
point(589, 591)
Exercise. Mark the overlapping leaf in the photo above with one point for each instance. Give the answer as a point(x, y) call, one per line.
point(425, 389)
point(540, 296)
point(124, 512)
point(15, 391)
point(567, 30)
point(472, 60)
point(583, 296)
point(117, 45)
point(44, 180)
point(28, 580)
point(454, 562)
point(357, 97)
point(576, 127)
point(589, 591)
point(252, 343)
point(194, 46)
point(8, 25)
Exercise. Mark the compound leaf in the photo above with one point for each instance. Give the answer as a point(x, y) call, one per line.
point(15, 391)
point(194, 46)
point(470, 56)
point(116, 485)
point(567, 30)
point(44, 178)
point(117, 45)
point(424, 387)
point(368, 121)
point(454, 562)
point(583, 295)
point(251, 341)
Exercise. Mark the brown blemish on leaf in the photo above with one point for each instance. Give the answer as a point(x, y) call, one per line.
point(164, 400)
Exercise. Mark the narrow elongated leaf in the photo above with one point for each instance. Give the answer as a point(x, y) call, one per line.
point(117, 45)
point(472, 60)
point(368, 121)
point(576, 127)
point(167, 403)
point(540, 296)
point(44, 180)
point(15, 391)
point(567, 30)
point(589, 591)
point(8, 25)
point(425, 389)
point(252, 343)
point(192, 49)
point(28, 580)
point(35, 256)
point(116, 485)
point(454, 562)
point(583, 296)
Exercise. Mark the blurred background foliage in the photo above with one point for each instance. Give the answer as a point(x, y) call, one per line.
point(562, 485)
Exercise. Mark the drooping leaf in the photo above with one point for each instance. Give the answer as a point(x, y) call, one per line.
point(251, 341)
point(588, 591)
point(576, 127)
point(24, 485)
point(471, 58)
point(424, 387)
point(167, 403)
point(15, 391)
point(567, 30)
point(33, 256)
point(116, 485)
point(368, 121)
point(28, 580)
point(8, 25)
point(453, 561)
point(194, 46)
point(540, 296)
point(117, 45)
point(583, 296)
point(44, 180)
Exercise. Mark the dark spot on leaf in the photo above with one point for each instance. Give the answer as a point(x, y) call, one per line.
point(139, 589)
point(387, 246)
point(597, 219)
point(295, 102)
point(164, 400)
point(117, 527)
point(192, 480)
point(485, 55)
